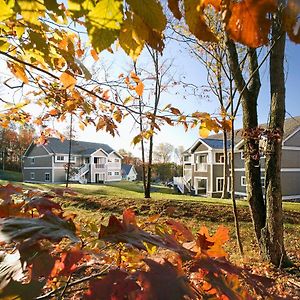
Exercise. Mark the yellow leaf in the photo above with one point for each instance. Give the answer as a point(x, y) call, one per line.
point(204, 132)
point(68, 81)
point(139, 89)
point(118, 116)
point(195, 19)
point(31, 10)
point(103, 23)
point(18, 71)
point(151, 249)
point(137, 139)
point(81, 126)
point(5, 11)
point(150, 11)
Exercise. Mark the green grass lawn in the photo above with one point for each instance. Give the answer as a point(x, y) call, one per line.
point(134, 190)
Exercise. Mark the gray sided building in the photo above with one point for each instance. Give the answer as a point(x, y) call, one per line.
point(90, 162)
point(203, 165)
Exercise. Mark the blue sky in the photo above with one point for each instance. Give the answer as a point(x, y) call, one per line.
point(185, 65)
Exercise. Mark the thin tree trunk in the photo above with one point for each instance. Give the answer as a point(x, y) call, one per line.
point(70, 150)
point(249, 97)
point(225, 167)
point(272, 235)
point(234, 206)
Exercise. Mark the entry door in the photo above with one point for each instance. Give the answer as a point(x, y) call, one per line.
point(99, 177)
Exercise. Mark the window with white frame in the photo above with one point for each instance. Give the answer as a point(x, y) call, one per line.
point(47, 176)
point(32, 160)
point(202, 159)
point(242, 155)
point(220, 183)
point(243, 181)
point(186, 158)
point(60, 158)
point(117, 173)
point(73, 159)
point(109, 173)
point(219, 158)
point(32, 175)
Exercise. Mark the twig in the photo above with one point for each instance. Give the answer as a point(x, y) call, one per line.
point(46, 296)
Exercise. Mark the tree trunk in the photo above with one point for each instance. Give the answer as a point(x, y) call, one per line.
point(272, 235)
point(225, 168)
point(249, 97)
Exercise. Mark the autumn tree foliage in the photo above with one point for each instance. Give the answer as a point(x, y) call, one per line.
point(49, 254)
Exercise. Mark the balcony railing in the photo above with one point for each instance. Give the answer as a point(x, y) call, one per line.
point(99, 166)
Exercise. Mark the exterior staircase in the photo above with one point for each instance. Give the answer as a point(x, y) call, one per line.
point(78, 176)
point(183, 184)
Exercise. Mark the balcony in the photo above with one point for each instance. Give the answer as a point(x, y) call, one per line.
point(99, 166)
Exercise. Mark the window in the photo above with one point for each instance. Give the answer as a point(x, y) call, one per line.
point(219, 158)
point(220, 183)
point(202, 159)
point(109, 173)
point(32, 175)
point(32, 160)
point(117, 160)
point(186, 158)
point(243, 181)
point(47, 176)
point(60, 158)
point(73, 159)
point(87, 160)
point(263, 182)
point(117, 173)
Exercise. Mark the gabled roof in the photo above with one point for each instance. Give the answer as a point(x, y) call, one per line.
point(56, 146)
point(126, 169)
point(215, 141)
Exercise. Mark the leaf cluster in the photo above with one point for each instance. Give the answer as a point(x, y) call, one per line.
point(48, 256)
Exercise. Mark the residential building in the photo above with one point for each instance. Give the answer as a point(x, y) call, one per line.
point(129, 172)
point(90, 162)
point(203, 165)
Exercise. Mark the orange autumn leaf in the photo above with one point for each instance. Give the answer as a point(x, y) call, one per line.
point(68, 81)
point(94, 54)
point(248, 22)
point(139, 88)
point(291, 15)
point(174, 8)
point(53, 112)
point(18, 71)
point(79, 52)
point(134, 77)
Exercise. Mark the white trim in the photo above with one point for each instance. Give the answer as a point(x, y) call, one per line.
point(239, 144)
point(290, 169)
point(28, 148)
point(199, 140)
point(240, 193)
point(290, 197)
point(37, 168)
point(115, 153)
point(290, 148)
point(35, 156)
point(292, 134)
point(240, 169)
point(98, 150)
point(199, 177)
point(242, 181)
